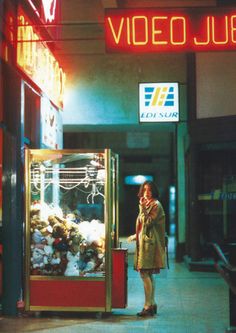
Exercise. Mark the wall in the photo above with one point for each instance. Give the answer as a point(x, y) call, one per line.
point(104, 89)
point(216, 74)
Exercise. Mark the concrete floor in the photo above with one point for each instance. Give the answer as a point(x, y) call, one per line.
point(188, 302)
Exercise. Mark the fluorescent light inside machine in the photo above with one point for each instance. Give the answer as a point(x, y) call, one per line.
point(137, 179)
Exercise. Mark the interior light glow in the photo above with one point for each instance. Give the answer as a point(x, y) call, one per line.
point(156, 30)
point(137, 179)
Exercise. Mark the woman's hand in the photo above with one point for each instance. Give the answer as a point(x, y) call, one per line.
point(131, 238)
point(142, 201)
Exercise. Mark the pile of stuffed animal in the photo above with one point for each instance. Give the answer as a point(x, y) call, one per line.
point(60, 246)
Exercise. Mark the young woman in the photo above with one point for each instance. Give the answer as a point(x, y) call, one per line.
point(150, 243)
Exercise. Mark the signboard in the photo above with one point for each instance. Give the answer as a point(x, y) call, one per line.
point(177, 30)
point(158, 102)
point(51, 126)
point(36, 60)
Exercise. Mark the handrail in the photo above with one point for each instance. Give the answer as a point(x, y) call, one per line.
point(224, 268)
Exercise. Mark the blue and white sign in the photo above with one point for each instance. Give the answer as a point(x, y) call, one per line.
point(158, 102)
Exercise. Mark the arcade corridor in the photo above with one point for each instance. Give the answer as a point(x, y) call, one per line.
point(189, 302)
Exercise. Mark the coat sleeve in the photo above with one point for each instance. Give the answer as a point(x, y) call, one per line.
point(153, 215)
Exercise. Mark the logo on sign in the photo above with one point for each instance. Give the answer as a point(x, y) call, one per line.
point(159, 96)
point(158, 102)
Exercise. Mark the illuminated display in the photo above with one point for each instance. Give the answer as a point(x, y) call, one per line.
point(154, 30)
point(159, 102)
point(37, 61)
point(46, 10)
point(49, 8)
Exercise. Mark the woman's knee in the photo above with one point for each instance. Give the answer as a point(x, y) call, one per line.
point(144, 275)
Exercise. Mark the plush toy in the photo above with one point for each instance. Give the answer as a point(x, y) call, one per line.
point(37, 259)
point(52, 220)
point(59, 231)
point(84, 229)
point(40, 209)
point(93, 232)
point(72, 268)
point(37, 237)
point(60, 244)
point(75, 242)
point(35, 209)
point(48, 247)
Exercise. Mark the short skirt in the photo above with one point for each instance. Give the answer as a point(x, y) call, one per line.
point(149, 270)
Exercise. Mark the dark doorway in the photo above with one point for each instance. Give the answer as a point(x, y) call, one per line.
point(130, 209)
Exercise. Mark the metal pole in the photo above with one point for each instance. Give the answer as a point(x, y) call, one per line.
point(232, 295)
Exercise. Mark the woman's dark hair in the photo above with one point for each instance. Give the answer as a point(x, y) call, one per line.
point(155, 193)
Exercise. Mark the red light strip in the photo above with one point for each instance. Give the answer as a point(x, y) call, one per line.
point(34, 8)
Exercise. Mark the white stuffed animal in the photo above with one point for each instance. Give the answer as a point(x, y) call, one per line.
point(37, 258)
point(72, 268)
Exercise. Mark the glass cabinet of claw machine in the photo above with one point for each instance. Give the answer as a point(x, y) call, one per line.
point(71, 209)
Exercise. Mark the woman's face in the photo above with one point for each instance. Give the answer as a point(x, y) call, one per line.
point(147, 192)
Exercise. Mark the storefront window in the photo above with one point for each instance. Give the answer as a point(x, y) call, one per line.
point(216, 187)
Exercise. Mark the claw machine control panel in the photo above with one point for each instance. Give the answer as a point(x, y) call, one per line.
point(71, 210)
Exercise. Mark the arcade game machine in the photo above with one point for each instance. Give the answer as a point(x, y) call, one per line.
point(71, 234)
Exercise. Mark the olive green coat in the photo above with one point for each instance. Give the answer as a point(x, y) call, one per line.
point(150, 241)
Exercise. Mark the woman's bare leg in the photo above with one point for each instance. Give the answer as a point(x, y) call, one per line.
point(153, 302)
point(148, 289)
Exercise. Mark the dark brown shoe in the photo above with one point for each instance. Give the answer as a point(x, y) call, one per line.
point(154, 308)
point(146, 312)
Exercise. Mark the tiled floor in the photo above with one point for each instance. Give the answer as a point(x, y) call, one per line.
point(188, 302)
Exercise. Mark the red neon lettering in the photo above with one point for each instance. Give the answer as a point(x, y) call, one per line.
point(174, 20)
point(37, 61)
point(207, 41)
point(225, 28)
point(233, 28)
point(135, 29)
point(128, 31)
point(117, 35)
point(154, 31)
point(157, 32)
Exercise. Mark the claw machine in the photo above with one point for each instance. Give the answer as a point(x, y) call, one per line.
point(71, 211)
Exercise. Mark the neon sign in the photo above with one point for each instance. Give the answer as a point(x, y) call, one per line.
point(153, 30)
point(49, 8)
point(44, 9)
point(38, 63)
